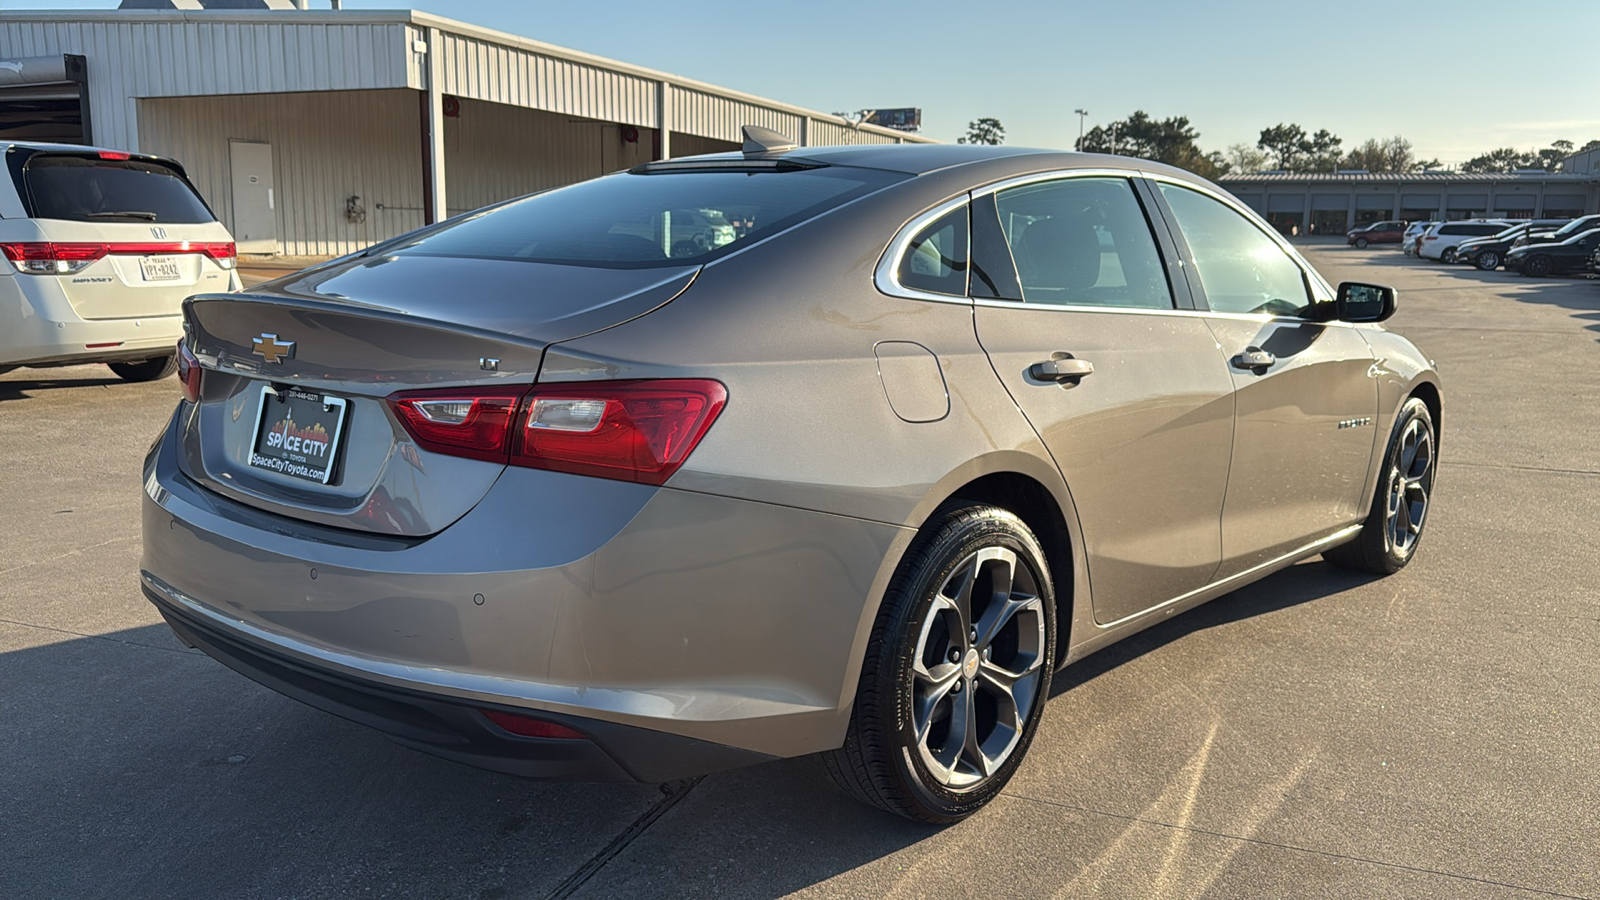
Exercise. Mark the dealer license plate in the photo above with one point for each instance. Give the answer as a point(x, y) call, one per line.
point(297, 433)
point(159, 268)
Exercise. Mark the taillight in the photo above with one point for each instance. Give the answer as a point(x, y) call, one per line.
point(470, 422)
point(189, 373)
point(60, 258)
point(627, 430)
point(51, 258)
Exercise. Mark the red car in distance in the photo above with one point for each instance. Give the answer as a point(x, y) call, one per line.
point(1376, 233)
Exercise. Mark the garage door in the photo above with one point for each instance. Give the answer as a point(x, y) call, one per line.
point(42, 98)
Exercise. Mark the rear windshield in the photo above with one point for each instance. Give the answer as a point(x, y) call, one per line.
point(644, 220)
point(90, 189)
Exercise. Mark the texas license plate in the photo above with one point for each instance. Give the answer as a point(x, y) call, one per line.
point(297, 433)
point(159, 268)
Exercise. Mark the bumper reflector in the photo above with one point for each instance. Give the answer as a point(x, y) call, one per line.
point(527, 726)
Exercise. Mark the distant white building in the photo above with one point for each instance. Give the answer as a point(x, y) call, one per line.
point(322, 132)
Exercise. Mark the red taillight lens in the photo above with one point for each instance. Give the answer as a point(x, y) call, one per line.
point(470, 422)
point(225, 253)
point(527, 726)
point(58, 258)
point(113, 154)
point(189, 373)
point(629, 430)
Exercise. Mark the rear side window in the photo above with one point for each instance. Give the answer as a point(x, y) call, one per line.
point(652, 219)
point(91, 189)
point(936, 259)
point(1083, 242)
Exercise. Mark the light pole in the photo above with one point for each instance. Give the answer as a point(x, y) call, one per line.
point(1082, 113)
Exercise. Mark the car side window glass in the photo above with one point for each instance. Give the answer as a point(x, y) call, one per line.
point(1240, 267)
point(1083, 242)
point(936, 259)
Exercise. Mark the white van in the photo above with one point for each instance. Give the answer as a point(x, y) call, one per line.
point(101, 247)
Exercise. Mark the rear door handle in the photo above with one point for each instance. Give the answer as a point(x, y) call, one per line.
point(1254, 359)
point(1068, 369)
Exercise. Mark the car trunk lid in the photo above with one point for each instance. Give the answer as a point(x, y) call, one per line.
point(325, 347)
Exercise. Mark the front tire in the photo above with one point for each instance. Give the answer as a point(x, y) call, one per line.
point(1537, 266)
point(957, 670)
point(1389, 537)
point(146, 370)
point(1361, 243)
point(1488, 260)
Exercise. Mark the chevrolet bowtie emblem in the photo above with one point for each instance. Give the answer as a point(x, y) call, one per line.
point(269, 348)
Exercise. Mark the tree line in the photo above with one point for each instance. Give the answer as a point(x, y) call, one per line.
point(1285, 147)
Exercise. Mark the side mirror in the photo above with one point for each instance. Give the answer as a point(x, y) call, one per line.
point(1359, 302)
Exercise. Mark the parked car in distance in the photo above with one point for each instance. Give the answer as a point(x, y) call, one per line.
point(1563, 258)
point(582, 506)
point(1489, 252)
point(1574, 226)
point(101, 247)
point(1413, 236)
point(1440, 241)
point(1389, 232)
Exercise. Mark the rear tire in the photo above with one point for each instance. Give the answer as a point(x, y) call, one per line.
point(1488, 260)
point(1388, 539)
point(146, 370)
point(942, 719)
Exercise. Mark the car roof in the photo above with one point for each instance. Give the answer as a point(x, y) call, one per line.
point(985, 162)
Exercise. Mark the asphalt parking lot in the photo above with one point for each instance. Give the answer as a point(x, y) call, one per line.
point(1432, 734)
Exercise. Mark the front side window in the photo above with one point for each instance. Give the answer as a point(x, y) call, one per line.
point(1083, 242)
point(936, 259)
point(1241, 268)
point(649, 219)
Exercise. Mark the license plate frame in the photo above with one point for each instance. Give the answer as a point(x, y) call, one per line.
point(292, 455)
point(159, 268)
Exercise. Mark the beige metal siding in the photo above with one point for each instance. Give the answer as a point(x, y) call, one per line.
point(129, 59)
point(482, 70)
point(708, 115)
point(494, 152)
point(829, 134)
point(326, 147)
point(694, 145)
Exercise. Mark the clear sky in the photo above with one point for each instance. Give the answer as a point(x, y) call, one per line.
point(1456, 77)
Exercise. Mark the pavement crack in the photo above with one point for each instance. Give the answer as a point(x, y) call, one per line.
point(671, 793)
point(99, 637)
point(1291, 847)
point(1549, 470)
point(68, 554)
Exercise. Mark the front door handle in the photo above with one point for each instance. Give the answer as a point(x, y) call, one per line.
point(1068, 369)
point(1255, 359)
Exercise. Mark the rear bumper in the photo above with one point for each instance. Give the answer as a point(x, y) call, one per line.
point(454, 730)
point(44, 331)
point(733, 624)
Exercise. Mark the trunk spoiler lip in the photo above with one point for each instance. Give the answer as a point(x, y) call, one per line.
point(349, 306)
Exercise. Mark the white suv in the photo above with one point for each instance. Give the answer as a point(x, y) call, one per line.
point(1440, 241)
point(101, 247)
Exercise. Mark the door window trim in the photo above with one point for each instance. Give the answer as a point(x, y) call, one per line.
point(886, 277)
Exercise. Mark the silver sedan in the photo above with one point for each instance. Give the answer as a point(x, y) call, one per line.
point(840, 451)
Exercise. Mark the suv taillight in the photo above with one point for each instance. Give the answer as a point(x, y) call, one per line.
point(62, 258)
point(638, 431)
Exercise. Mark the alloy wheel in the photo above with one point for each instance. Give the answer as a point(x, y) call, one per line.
point(1488, 260)
point(980, 655)
point(1410, 480)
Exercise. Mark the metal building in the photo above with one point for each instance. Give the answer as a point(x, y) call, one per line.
point(318, 133)
point(1334, 203)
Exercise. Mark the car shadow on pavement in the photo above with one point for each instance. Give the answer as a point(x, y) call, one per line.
point(133, 759)
point(20, 386)
point(1301, 583)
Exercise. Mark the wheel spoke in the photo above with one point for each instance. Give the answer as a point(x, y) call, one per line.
point(958, 591)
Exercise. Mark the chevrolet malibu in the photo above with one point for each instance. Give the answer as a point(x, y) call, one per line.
point(556, 489)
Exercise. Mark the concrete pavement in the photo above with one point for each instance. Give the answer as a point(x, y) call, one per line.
point(1432, 734)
